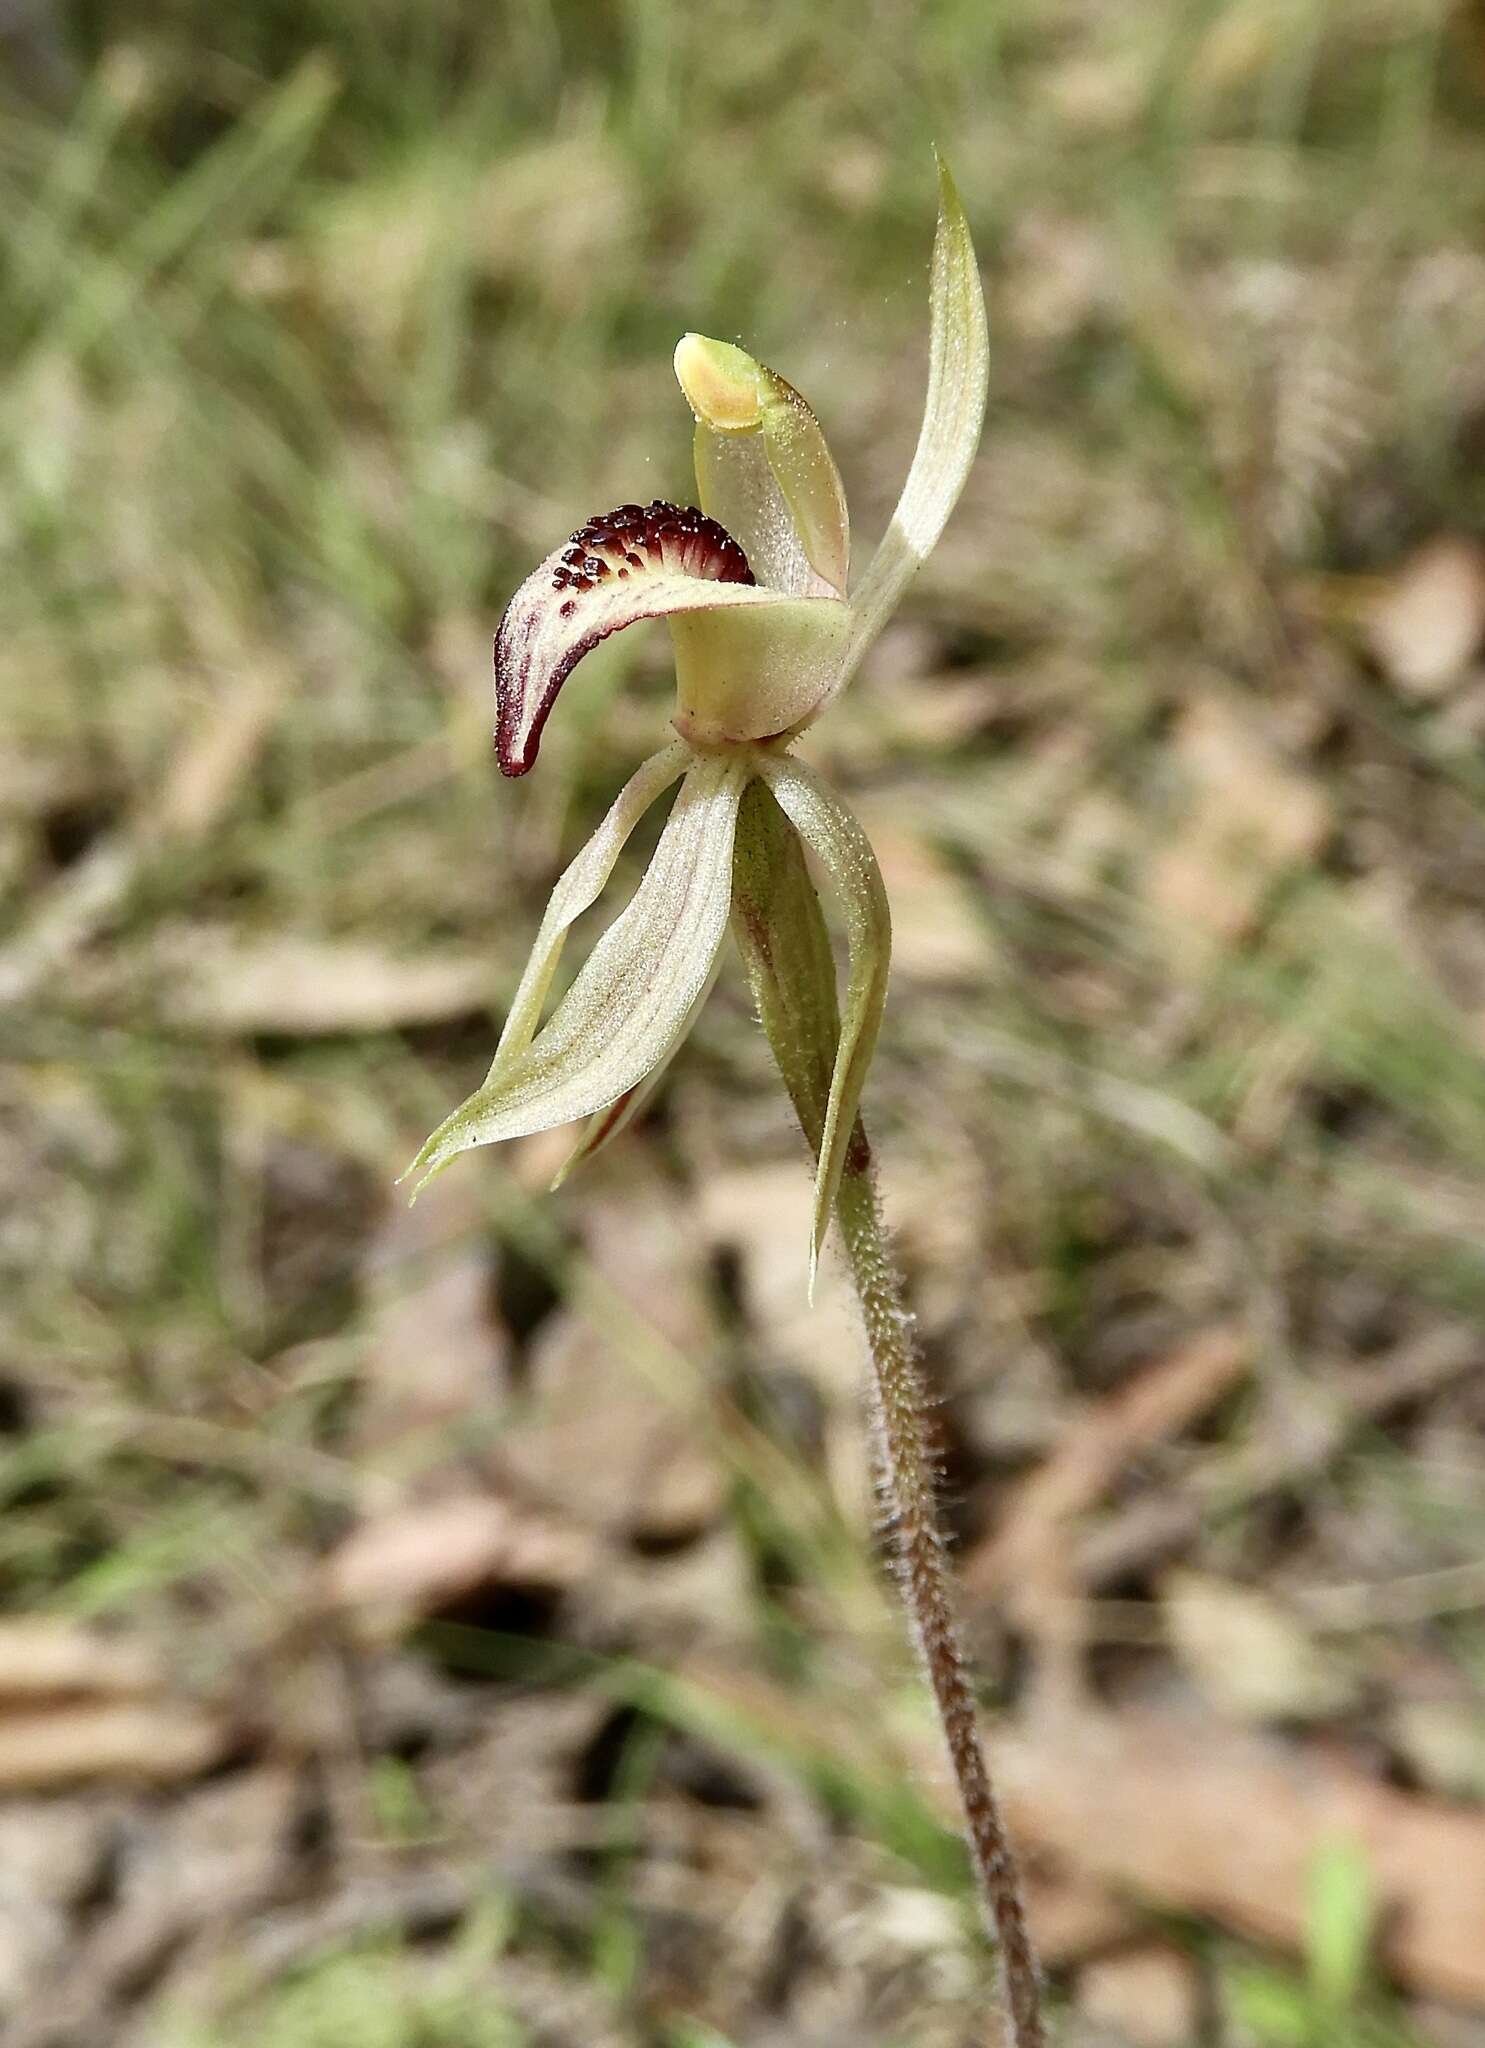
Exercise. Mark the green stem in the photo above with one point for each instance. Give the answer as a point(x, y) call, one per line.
point(899, 1412)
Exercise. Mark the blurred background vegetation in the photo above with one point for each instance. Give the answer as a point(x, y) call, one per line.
point(433, 1630)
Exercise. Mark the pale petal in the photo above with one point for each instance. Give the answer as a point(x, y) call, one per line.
point(958, 375)
point(579, 889)
point(833, 835)
point(640, 562)
point(634, 997)
point(610, 1123)
point(764, 469)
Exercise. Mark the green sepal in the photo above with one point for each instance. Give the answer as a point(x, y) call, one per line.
point(953, 414)
point(780, 932)
point(844, 851)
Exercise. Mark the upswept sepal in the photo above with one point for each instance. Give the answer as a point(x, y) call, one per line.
point(953, 414)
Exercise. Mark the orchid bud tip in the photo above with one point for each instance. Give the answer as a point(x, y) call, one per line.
point(720, 383)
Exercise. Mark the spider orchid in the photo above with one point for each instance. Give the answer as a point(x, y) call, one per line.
point(767, 631)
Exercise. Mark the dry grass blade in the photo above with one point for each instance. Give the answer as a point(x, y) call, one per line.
point(1157, 1403)
point(195, 795)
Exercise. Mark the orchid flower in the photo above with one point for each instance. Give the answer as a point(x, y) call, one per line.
point(767, 630)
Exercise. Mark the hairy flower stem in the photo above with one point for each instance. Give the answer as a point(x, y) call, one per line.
point(899, 1406)
point(781, 935)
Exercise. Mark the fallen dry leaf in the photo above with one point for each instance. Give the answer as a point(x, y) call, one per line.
point(1030, 1563)
point(219, 756)
point(1250, 817)
point(1063, 274)
point(53, 1849)
point(545, 218)
point(631, 1463)
point(615, 1434)
point(1199, 1818)
point(34, 1943)
point(1152, 1527)
point(1188, 1815)
point(52, 1854)
point(1097, 94)
point(41, 1657)
point(219, 1853)
point(1443, 1742)
point(437, 1359)
point(186, 1872)
point(1425, 621)
point(1248, 1655)
point(759, 1218)
point(196, 792)
point(1072, 1917)
point(759, 1215)
point(1243, 42)
point(422, 1559)
point(228, 985)
point(1149, 1995)
point(938, 933)
point(1072, 1913)
point(154, 1741)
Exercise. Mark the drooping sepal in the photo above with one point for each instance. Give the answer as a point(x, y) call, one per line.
point(837, 840)
point(785, 947)
point(636, 994)
point(764, 468)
